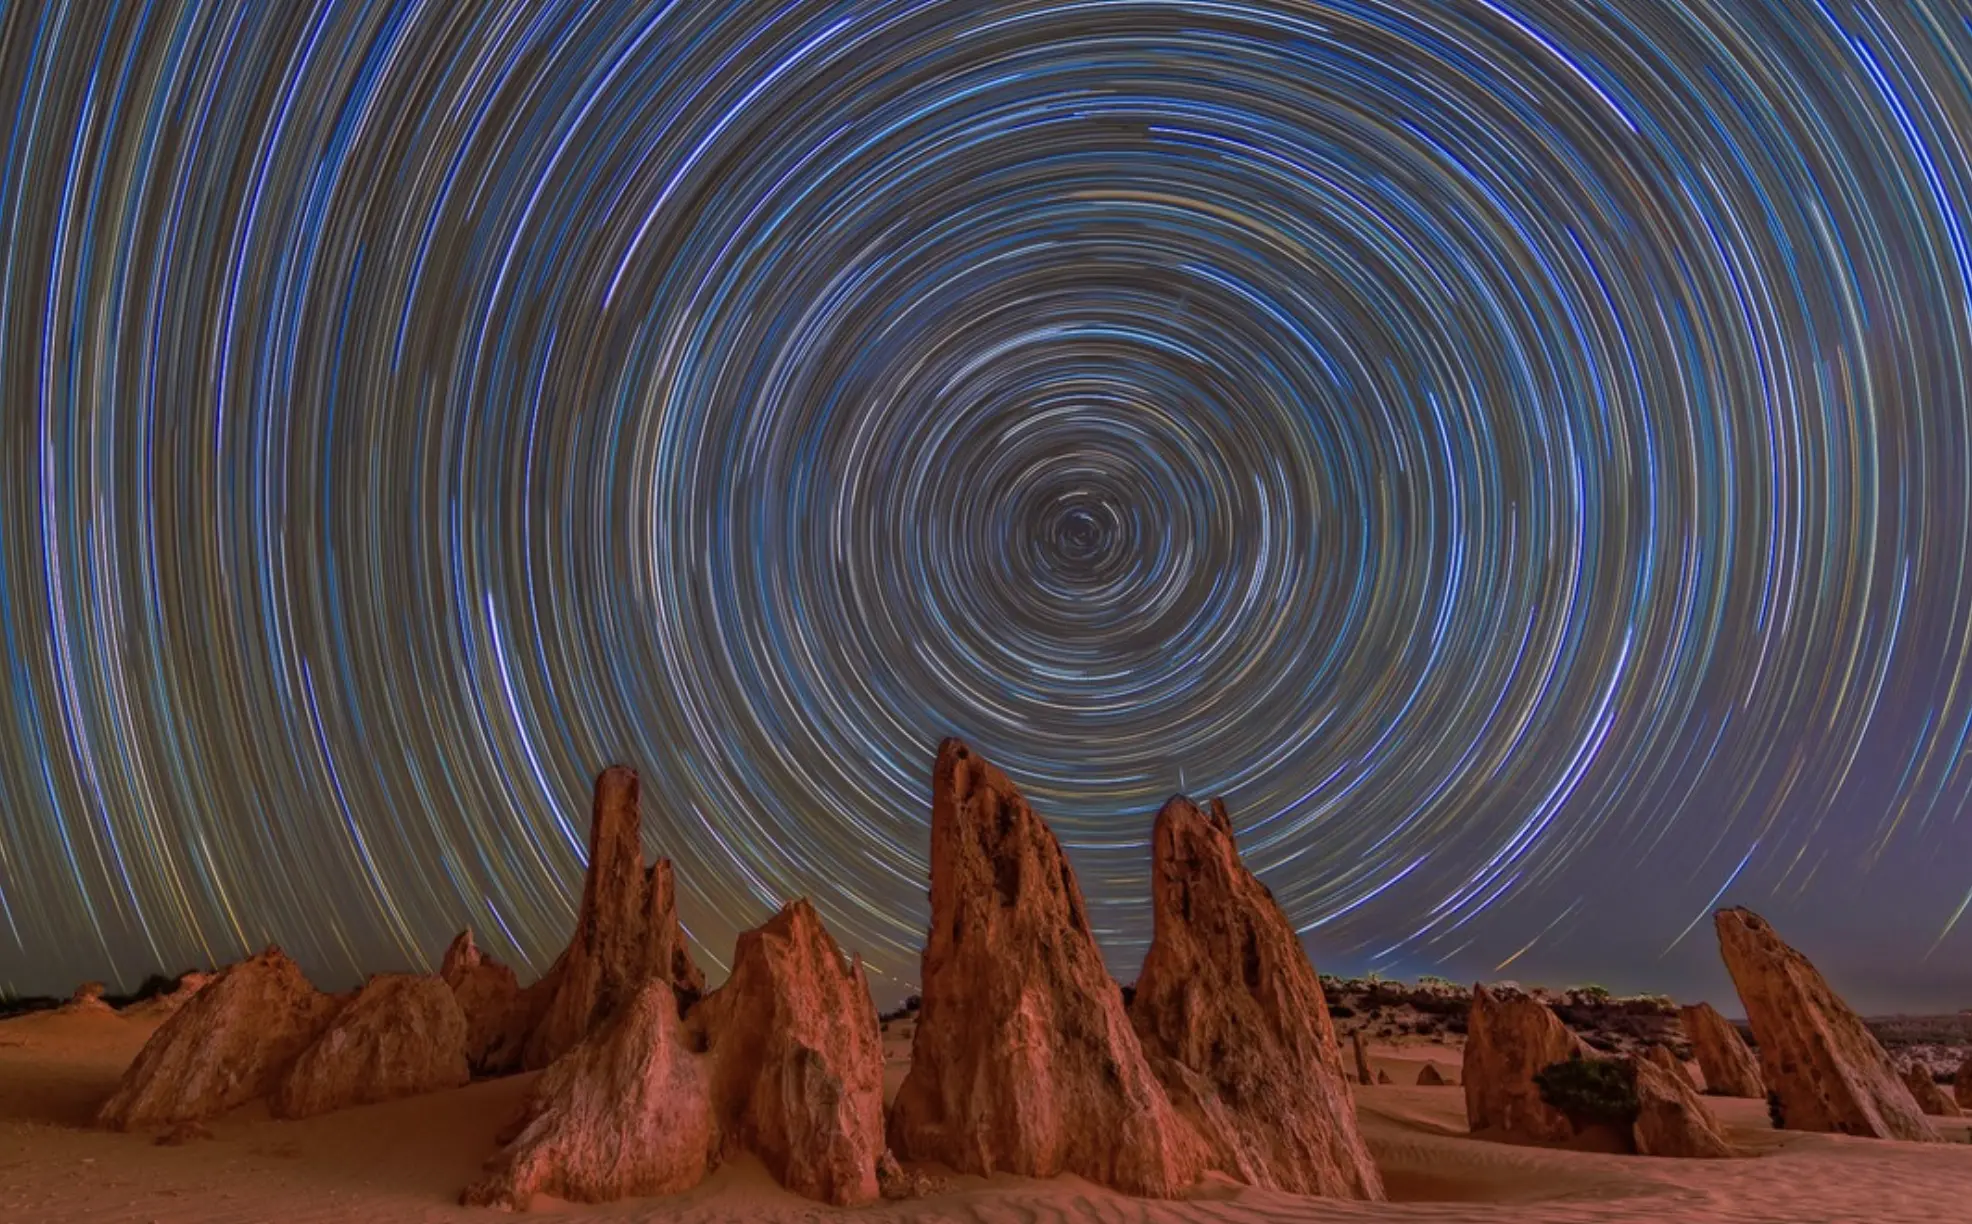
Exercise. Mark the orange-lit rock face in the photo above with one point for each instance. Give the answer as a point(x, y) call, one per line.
point(1826, 1068)
point(1232, 1017)
point(1024, 1060)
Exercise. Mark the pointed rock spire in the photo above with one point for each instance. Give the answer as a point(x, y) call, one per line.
point(1024, 1060)
point(1507, 1043)
point(1232, 1016)
point(628, 920)
point(1728, 1066)
point(798, 1060)
point(1925, 1091)
point(1817, 1057)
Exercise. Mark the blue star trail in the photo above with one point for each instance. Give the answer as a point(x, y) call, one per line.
point(1517, 452)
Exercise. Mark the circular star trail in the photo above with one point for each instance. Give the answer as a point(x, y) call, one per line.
point(1512, 450)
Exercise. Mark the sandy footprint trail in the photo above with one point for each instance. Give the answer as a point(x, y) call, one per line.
point(405, 1161)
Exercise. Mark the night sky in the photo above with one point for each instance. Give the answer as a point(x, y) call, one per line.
point(1516, 451)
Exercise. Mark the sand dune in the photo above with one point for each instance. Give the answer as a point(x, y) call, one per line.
point(405, 1161)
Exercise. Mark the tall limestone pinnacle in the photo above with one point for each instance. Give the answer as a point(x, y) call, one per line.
point(1820, 1061)
point(1024, 1060)
point(626, 929)
point(1232, 1016)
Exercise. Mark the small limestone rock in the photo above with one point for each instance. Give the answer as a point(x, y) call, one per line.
point(184, 1133)
point(1428, 1076)
point(896, 1183)
point(1662, 1057)
point(1232, 1016)
point(88, 997)
point(1672, 1119)
point(627, 1112)
point(626, 928)
point(401, 1036)
point(1930, 1098)
point(1383, 1077)
point(1823, 1064)
point(1024, 1060)
point(1508, 1042)
point(1728, 1066)
point(797, 1060)
point(232, 1042)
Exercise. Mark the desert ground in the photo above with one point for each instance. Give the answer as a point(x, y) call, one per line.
point(405, 1161)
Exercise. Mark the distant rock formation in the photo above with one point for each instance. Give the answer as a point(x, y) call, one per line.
point(1232, 1018)
point(1925, 1091)
point(401, 1036)
point(1672, 1119)
point(626, 928)
point(1024, 1060)
point(1665, 1060)
point(1428, 1076)
point(1508, 1042)
point(626, 1112)
point(1361, 1052)
point(797, 1060)
point(1823, 1065)
point(88, 997)
point(232, 1042)
point(489, 998)
point(1728, 1066)
point(1961, 1087)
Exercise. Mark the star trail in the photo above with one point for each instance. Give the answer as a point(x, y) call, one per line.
point(1516, 451)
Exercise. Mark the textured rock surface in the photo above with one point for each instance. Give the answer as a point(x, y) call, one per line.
point(626, 1112)
point(1815, 1054)
point(88, 997)
point(229, 1043)
point(1723, 1058)
point(1428, 1076)
point(625, 929)
point(1507, 1043)
point(1925, 1091)
point(1665, 1060)
point(401, 1036)
point(489, 998)
point(1361, 1051)
point(1232, 1017)
point(797, 1060)
point(1962, 1084)
point(1672, 1119)
point(1024, 1060)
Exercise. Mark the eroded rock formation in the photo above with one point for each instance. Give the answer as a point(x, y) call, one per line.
point(1672, 1119)
point(1925, 1091)
point(228, 1044)
point(1024, 1060)
point(88, 997)
point(1232, 1017)
point(797, 1060)
point(1507, 1043)
point(1667, 1061)
point(1816, 1056)
point(1361, 1052)
point(489, 998)
point(626, 1112)
point(1724, 1060)
point(626, 928)
point(401, 1036)
point(1428, 1076)
point(1961, 1088)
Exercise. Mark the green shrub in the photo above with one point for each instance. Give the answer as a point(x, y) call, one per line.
point(1591, 1090)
